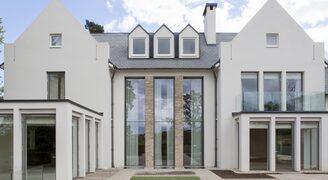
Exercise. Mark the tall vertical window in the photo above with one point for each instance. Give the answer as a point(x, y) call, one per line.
point(310, 145)
point(55, 40)
point(193, 122)
point(294, 89)
point(39, 147)
point(258, 145)
point(75, 144)
point(284, 146)
point(6, 147)
point(56, 85)
point(135, 122)
point(164, 124)
point(272, 92)
point(249, 91)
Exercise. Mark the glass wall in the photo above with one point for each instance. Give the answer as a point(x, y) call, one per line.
point(135, 122)
point(193, 122)
point(272, 92)
point(6, 147)
point(258, 139)
point(164, 124)
point(310, 146)
point(87, 146)
point(97, 145)
point(284, 146)
point(75, 140)
point(294, 92)
point(249, 91)
point(39, 147)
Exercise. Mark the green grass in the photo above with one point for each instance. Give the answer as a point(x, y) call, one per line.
point(165, 178)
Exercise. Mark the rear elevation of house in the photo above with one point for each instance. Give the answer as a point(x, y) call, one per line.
point(76, 102)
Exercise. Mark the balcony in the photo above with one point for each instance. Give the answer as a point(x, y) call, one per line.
point(273, 101)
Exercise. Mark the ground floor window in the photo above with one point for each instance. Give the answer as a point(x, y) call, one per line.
point(164, 122)
point(309, 145)
point(6, 147)
point(284, 146)
point(87, 145)
point(75, 140)
point(39, 147)
point(193, 122)
point(258, 139)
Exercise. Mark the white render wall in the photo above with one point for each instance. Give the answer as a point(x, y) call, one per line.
point(247, 52)
point(81, 57)
point(119, 114)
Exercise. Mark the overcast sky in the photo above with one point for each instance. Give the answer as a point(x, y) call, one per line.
point(123, 15)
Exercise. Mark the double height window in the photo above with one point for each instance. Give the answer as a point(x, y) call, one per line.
point(272, 91)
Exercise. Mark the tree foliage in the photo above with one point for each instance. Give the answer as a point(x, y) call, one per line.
point(93, 27)
point(2, 31)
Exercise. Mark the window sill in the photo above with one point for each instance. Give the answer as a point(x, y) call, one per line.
point(55, 47)
point(272, 46)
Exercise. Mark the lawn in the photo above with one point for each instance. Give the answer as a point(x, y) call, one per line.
point(165, 178)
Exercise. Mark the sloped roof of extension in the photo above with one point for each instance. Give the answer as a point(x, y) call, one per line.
point(209, 54)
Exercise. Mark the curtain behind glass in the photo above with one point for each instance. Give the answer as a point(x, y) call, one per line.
point(135, 122)
point(164, 129)
point(193, 122)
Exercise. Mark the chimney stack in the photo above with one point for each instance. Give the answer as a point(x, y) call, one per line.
point(210, 22)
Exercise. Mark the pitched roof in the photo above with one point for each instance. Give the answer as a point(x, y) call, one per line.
point(209, 54)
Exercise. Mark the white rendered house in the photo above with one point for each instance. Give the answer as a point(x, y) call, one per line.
point(76, 102)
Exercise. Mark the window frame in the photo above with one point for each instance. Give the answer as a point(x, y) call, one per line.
point(61, 40)
point(271, 35)
point(59, 87)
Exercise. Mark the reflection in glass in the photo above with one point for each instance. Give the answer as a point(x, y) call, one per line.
point(139, 46)
point(272, 92)
point(294, 92)
point(164, 128)
point(56, 85)
point(164, 46)
point(6, 147)
point(75, 140)
point(284, 147)
point(189, 46)
point(249, 91)
point(193, 122)
point(39, 145)
point(135, 122)
point(310, 146)
point(97, 145)
point(258, 139)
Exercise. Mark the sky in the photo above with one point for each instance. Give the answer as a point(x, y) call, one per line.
point(124, 15)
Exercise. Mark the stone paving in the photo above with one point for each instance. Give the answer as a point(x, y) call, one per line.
point(204, 174)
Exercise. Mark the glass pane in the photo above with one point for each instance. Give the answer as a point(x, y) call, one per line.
point(310, 146)
point(193, 144)
point(163, 46)
point(56, 85)
point(56, 40)
point(284, 147)
point(164, 127)
point(135, 122)
point(193, 126)
point(189, 46)
point(139, 46)
point(135, 144)
point(272, 39)
point(249, 91)
point(39, 144)
point(164, 144)
point(258, 139)
point(272, 92)
point(87, 146)
point(75, 140)
point(294, 92)
point(97, 145)
point(135, 100)
point(6, 147)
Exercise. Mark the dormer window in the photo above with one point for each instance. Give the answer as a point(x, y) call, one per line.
point(138, 43)
point(163, 43)
point(139, 46)
point(189, 46)
point(189, 43)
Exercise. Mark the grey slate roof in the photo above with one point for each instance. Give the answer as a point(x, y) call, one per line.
point(209, 54)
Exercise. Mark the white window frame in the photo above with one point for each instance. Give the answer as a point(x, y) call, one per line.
point(145, 55)
point(50, 41)
point(183, 55)
point(272, 45)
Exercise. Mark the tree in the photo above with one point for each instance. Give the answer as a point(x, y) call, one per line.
point(93, 27)
point(2, 31)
